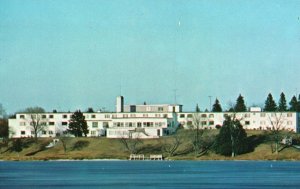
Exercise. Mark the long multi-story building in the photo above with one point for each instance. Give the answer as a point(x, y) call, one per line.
point(148, 121)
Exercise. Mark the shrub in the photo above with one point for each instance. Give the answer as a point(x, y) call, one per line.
point(80, 144)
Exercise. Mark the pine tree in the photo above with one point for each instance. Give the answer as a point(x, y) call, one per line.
point(232, 138)
point(282, 103)
point(217, 106)
point(197, 108)
point(293, 104)
point(270, 104)
point(298, 104)
point(240, 104)
point(17, 145)
point(78, 125)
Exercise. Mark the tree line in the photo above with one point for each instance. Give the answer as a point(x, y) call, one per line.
point(269, 106)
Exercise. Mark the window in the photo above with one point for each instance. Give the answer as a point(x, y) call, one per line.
point(247, 115)
point(211, 115)
point(130, 124)
point(182, 115)
point(211, 123)
point(95, 124)
point(50, 116)
point(64, 123)
point(126, 124)
point(203, 115)
point(105, 124)
point(247, 122)
point(32, 132)
point(93, 133)
point(190, 115)
point(160, 109)
point(157, 115)
point(106, 116)
point(22, 123)
point(22, 132)
point(114, 116)
point(262, 122)
point(51, 123)
point(139, 124)
point(93, 116)
point(44, 116)
point(132, 115)
point(22, 116)
point(165, 115)
point(125, 115)
point(289, 122)
point(145, 115)
point(289, 115)
point(50, 132)
point(203, 122)
point(44, 132)
point(65, 116)
point(189, 123)
point(263, 115)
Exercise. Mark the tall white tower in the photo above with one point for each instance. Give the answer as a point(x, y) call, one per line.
point(120, 104)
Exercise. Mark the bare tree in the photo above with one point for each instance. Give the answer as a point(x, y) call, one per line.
point(171, 144)
point(131, 142)
point(63, 137)
point(38, 122)
point(200, 139)
point(277, 127)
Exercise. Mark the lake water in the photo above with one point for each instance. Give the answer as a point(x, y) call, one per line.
point(150, 174)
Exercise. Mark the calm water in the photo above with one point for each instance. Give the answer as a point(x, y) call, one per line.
point(150, 174)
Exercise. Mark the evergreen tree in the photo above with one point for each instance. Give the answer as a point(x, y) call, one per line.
point(282, 107)
point(197, 108)
point(240, 104)
point(270, 104)
point(78, 125)
point(217, 106)
point(298, 104)
point(232, 139)
point(17, 145)
point(294, 104)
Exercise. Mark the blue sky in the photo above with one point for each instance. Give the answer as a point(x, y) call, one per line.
point(77, 54)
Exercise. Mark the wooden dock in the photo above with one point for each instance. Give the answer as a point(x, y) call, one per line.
point(142, 157)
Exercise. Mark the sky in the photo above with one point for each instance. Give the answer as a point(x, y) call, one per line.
point(75, 54)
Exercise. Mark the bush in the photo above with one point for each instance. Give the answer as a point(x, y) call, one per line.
point(80, 144)
point(17, 145)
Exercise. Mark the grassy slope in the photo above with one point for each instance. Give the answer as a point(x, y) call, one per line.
point(104, 148)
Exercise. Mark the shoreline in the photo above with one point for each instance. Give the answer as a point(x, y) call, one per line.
point(165, 160)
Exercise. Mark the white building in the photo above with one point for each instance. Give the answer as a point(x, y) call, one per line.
point(148, 121)
point(253, 120)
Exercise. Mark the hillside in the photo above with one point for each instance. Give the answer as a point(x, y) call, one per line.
point(104, 148)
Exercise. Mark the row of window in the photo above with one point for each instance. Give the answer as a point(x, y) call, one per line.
point(51, 123)
point(43, 132)
point(64, 116)
point(225, 115)
point(135, 115)
point(138, 124)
